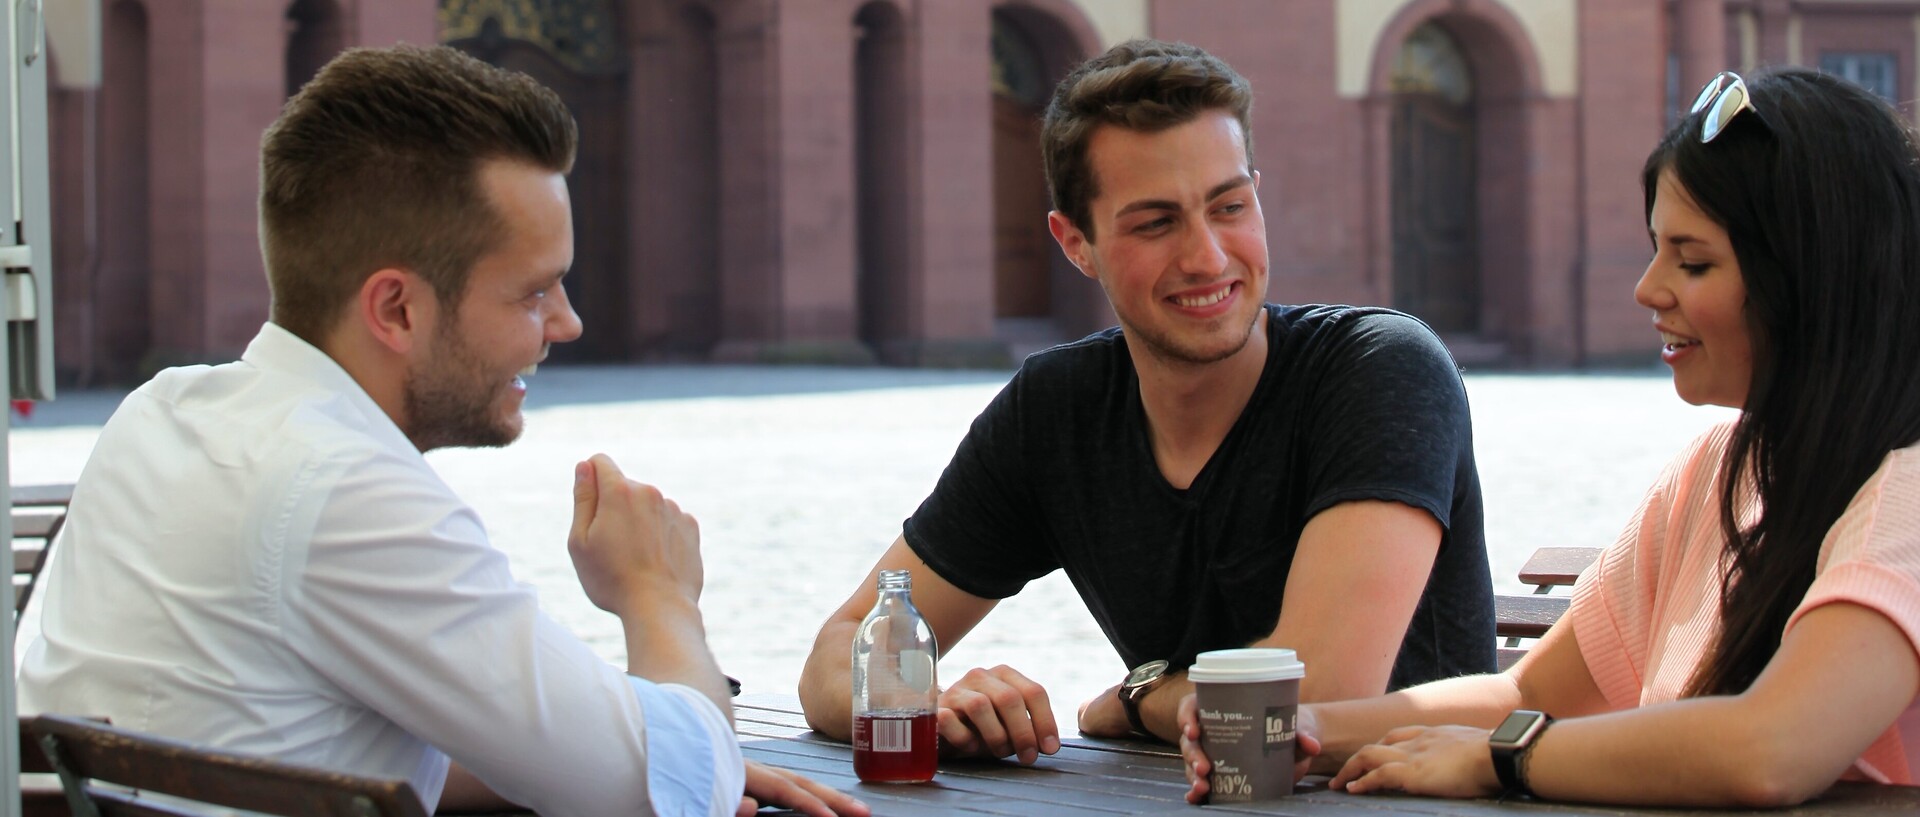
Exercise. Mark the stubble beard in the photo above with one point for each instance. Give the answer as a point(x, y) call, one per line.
point(451, 403)
point(1167, 348)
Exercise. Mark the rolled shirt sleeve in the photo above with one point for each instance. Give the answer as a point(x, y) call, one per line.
point(395, 597)
point(680, 776)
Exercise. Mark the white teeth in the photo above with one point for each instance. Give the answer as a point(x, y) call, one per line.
point(1674, 341)
point(526, 372)
point(1204, 300)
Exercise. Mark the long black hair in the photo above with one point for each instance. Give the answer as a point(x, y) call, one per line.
point(1820, 197)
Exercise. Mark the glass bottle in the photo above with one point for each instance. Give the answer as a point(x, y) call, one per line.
point(895, 698)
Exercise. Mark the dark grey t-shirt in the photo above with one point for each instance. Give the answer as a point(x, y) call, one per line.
point(1354, 403)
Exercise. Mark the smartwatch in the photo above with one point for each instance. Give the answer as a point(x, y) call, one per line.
point(1142, 680)
point(1511, 741)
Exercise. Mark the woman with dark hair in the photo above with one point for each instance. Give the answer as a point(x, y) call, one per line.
point(1751, 638)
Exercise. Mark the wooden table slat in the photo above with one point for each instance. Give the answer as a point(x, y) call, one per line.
point(1555, 566)
point(1527, 616)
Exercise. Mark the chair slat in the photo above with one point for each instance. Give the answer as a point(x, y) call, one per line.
point(37, 523)
point(1526, 616)
point(49, 494)
point(1556, 566)
point(86, 749)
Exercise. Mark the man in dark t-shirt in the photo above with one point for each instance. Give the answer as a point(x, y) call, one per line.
point(1217, 472)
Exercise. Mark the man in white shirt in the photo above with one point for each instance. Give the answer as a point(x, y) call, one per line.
point(258, 557)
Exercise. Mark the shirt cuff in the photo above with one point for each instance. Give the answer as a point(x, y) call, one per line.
point(693, 759)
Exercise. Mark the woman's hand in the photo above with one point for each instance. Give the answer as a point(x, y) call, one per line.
point(1434, 761)
point(1198, 766)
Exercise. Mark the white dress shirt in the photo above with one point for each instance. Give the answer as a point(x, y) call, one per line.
point(258, 559)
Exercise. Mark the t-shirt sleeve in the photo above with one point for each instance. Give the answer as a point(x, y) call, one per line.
point(1613, 600)
point(1871, 556)
point(979, 529)
point(1387, 420)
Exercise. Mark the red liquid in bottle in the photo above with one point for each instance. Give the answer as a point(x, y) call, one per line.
point(895, 747)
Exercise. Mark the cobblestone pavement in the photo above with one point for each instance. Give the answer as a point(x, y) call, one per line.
point(800, 478)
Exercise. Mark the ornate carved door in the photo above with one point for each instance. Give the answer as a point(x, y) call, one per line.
point(1436, 225)
point(572, 47)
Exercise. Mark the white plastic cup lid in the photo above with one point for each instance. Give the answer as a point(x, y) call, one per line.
point(1246, 666)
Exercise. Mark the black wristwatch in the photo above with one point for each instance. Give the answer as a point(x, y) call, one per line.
point(1511, 741)
point(1141, 681)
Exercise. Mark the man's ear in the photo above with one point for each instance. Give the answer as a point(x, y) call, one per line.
point(395, 306)
point(1072, 241)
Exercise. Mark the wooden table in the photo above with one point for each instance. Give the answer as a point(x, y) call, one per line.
point(1090, 776)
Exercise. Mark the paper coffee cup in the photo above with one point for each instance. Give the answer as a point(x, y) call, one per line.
point(1248, 701)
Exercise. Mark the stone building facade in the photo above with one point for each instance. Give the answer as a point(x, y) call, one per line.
point(857, 180)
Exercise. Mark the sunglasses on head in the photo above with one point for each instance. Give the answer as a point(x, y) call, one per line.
point(1724, 98)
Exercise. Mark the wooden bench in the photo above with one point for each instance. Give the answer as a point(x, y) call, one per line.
point(85, 753)
point(1518, 617)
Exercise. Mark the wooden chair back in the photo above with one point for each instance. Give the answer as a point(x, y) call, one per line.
point(98, 764)
point(1518, 617)
point(34, 529)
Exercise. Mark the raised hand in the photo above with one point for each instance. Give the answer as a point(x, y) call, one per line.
point(627, 539)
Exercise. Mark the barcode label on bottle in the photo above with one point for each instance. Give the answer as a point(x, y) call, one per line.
point(892, 735)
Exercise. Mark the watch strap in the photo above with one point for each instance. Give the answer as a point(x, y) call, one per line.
point(1510, 760)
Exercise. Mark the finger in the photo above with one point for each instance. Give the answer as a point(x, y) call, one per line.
point(1306, 746)
point(1198, 786)
point(1388, 777)
point(747, 807)
point(1026, 714)
point(586, 500)
point(982, 714)
point(955, 734)
point(831, 801)
point(1038, 707)
point(1189, 717)
point(782, 789)
point(1362, 762)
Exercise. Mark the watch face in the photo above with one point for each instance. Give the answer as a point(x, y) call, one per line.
point(1516, 726)
point(1145, 674)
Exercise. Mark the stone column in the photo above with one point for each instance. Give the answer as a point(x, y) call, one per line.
point(218, 83)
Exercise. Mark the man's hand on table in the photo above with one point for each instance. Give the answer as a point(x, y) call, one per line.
point(1198, 766)
point(768, 786)
point(997, 713)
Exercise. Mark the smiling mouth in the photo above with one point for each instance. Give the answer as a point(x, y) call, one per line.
point(1197, 301)
point(529, 370)
point(1675, 342)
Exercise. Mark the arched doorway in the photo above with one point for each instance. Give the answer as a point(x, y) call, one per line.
point(571, 46)
point(880, 168)
point(121, 286)
point(1436, 232)
point(314, 36)
point(1038, 297)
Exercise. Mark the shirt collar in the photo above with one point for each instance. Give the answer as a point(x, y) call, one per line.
point(277, 350)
